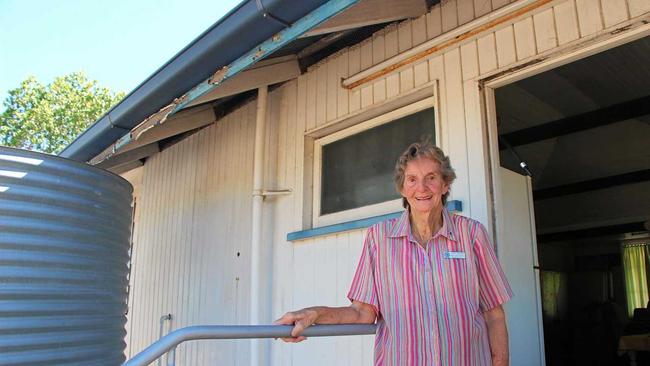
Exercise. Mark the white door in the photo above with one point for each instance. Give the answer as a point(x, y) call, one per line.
point(517, 252)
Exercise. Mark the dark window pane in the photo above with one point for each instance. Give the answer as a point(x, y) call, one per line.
point(358, 170)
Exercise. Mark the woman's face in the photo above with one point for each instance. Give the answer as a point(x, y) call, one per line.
point(423, 185)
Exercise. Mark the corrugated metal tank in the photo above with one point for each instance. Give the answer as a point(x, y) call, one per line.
point(64, 251)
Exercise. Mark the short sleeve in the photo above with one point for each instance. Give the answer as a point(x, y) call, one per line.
point(494, 289)
point(363, 287)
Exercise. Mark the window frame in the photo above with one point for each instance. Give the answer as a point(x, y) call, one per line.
point(376, 209)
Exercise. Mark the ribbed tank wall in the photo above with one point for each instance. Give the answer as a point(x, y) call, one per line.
point(64, 251)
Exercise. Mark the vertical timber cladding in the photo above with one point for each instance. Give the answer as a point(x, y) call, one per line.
point(64, 243)
point(191, 252)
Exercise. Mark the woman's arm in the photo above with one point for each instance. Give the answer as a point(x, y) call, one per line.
point(498, 335)
point(357, 312)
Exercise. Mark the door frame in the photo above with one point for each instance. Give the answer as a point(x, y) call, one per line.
point(487, 86)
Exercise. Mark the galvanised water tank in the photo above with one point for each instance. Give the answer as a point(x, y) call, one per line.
point(64, 251)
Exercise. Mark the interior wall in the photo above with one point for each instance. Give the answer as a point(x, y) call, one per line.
point(592, 268)
point(584, 300)
point(616, 205)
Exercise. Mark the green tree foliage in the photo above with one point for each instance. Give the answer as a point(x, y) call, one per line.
point(48, 117)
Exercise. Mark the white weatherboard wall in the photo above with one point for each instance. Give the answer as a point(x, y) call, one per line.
point(193, 213)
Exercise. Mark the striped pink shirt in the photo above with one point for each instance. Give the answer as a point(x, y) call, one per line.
point(430, 302)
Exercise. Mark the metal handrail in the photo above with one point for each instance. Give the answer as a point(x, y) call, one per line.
point(169, 342)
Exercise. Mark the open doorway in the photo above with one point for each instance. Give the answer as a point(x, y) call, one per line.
point(582, 131)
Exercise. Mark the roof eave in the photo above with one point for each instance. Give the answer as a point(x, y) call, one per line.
point(236, 33)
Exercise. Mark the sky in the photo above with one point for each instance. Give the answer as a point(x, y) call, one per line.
point(119, 43)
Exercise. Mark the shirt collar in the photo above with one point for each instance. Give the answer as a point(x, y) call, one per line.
point(402, 227)
point(448, 229)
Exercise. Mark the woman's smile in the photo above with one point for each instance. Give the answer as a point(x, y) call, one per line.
point(424, 185)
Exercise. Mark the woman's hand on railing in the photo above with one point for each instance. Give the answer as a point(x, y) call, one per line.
point(300, 320)
point(356, 313)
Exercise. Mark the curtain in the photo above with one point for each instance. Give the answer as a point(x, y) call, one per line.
point(635, 266)
point(554, 286)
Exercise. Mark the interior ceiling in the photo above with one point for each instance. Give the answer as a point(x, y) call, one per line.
point(606, 79)
point(584, 130)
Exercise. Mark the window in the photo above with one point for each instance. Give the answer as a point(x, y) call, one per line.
point(354, 167)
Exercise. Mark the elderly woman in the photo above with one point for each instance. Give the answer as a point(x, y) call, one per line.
point(430, 278)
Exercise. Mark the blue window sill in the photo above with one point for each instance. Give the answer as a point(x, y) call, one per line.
point(453, 206)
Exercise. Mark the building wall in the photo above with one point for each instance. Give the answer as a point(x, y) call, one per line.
point(191, 242)
point(194, 207)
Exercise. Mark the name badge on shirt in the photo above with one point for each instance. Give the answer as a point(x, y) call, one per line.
point(454, 255)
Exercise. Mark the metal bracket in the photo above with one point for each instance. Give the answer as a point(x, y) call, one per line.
point(276, 192)
point(266, 14)
point(271, 192)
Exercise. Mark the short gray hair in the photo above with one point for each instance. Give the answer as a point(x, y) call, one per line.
point(418, 150)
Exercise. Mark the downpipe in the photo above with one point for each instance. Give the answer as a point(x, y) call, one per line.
point(256, 229)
